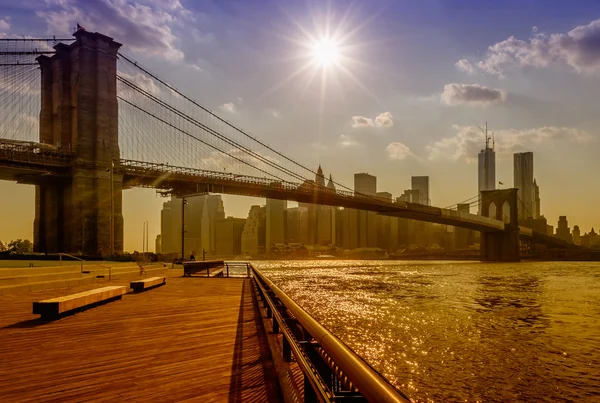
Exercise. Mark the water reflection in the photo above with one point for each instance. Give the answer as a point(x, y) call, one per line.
point(514, 298)
point(461, 331)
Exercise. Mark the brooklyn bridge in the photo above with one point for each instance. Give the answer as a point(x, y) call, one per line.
point(106, 124)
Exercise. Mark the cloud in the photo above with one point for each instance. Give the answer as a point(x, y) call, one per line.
point(472, 94)
point(4, 24)
point(464, 65)
point(274, 113)
point(360, 121)
point(347, 141)
point(578, 48)
point(228, 107)
point(141, 80)
point(384, 119)
point(144, 26)
point(398, 151)
point(469, 140)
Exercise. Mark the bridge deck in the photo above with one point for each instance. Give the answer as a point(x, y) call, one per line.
point(194, 339)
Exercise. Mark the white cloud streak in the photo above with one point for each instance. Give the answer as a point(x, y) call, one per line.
point(398, 151)
point(472, 94)
point(384, 119)
point(347, 141)
point(5, 24)
point(228, 107)
point(578, 48)
point(469, 140)
point(144, 26)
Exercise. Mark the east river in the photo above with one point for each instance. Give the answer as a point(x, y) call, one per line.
point(461, 331)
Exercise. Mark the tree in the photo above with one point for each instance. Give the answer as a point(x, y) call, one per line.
point(20, 246)
point(2, 247)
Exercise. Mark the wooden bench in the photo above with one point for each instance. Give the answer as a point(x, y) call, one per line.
point(216, 273)
point(194, 266)
point(51, 308)
point(147, 283)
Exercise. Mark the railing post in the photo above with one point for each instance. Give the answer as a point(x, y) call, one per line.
point(309, 394)
point(275, 326)
point(287, 350)
point(227, 267)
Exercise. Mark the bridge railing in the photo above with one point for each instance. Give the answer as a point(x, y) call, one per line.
point(29, 152)
point(332, 371)
point(146, 168)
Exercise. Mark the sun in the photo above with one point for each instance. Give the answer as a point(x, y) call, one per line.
point(326, 52)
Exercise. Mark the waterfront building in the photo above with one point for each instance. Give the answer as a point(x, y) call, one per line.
point(228, 236)
point(158, 244)
point(562, 230)
point(366, 184)
point(254, 232)
point(536, 200)
point(421, 184)
point(166, 228)
point(275, 222)
point(576, 235)
point(297, 225)
point(463, 238)
point(524, 181)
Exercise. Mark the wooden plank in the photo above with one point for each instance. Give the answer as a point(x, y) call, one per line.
point(196, 340)
point(59, 305)
point(144, 284)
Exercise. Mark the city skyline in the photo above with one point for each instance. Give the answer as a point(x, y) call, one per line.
point(413, 116)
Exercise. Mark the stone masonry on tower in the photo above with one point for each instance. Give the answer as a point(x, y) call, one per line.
point(79, 114)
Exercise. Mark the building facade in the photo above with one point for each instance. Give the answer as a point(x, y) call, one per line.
point(228, 236)
point(562, 229)
point(421, 184)
point(486, 171)
point(276, 218)
point(254, 233)
point(523, 180)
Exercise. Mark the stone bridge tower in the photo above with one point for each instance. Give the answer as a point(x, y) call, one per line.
point(500, 246)
point(81, 212)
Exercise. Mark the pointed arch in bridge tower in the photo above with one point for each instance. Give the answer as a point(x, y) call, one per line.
point(81, 212)
point(500, 246)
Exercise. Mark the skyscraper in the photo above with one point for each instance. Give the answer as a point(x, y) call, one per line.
point(275, 222)
point(421, 183)
point(536, 200)
point(365, 184)
point(487, 166)
point(367, 220)
point(562, 230)
point(254, 233)
point(523, 180)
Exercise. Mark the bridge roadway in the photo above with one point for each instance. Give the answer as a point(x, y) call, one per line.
point(24, 163)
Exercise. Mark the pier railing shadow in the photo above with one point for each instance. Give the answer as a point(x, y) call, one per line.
point(252, 366)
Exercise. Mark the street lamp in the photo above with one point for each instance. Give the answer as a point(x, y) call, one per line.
point(183, 203)
point(112, 209)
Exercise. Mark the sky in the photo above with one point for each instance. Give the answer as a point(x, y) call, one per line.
point(392, 88)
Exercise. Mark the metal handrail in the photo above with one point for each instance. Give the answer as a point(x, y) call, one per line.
point(370, 383)
point(60, 255)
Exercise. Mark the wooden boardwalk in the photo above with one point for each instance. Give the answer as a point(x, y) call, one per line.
point(194, 339)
